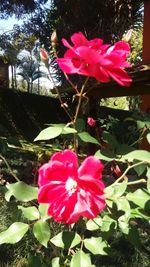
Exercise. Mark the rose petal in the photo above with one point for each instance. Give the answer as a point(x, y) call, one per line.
point(78, 39)
point(91, 56)
point(67, 65)
point(66, 156)
point(120, 76)
point(53, 171)
point(91, 166)
point(50, 192)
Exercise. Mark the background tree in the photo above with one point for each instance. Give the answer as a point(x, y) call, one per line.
point(18, 7)
point(107, 19)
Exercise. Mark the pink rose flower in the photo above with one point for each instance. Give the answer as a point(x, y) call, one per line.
point(70, 191)
point(91, 122)
point(93, 58)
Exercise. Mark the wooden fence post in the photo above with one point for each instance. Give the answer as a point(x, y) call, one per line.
point(145, 99)
point(145, 105)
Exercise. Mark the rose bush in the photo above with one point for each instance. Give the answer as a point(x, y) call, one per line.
point(72, 211)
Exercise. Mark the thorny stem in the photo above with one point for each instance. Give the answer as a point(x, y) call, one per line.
point(9, 168)
point(71, 83)
point(126, 171)
point(80, 95)
point(59, 97)
point(67, 78)
point(73, 121)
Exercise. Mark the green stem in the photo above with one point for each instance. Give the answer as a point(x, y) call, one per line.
point(126, 171)
point(137, 182)
point(82, 242)
point(140, 137)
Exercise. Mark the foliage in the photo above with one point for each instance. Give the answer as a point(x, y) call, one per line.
point(19, 8)
point(92, 235)
point(106, 19)
point(115, 102)
point(136, 46)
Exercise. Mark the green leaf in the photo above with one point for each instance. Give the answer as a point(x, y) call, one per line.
point(58, 125)
point(80, 125)
point(139, 213)
point(14, 233)
point(106, 155)
point(80, 259)
point(41, 231)
point(66, 240)
point(49, 133)
point(55, 262)
point(68, 130)
point(107, 223)
point(141, 155)
point(133, 236)
point(30, 213)
point(109, 191)
point(21, 192)
point(123, 222)
point(34, 261)
point(140, 168)
point(148, 179)
point(140, 197)
point(120, 188)
point(43, 211)
point(148, 137)
point(8, 195)
point(143, 123)
point(94, 224)
point(116, 190)
point(86, 137)
point(123, 204)
point(96, 245)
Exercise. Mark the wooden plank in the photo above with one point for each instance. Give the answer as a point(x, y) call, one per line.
point(140, 85)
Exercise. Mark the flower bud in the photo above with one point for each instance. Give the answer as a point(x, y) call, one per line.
point(54, 39)
point(91, 122)
point(127, 36)
point(44, 55)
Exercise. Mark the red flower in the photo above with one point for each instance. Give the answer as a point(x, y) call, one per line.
point(93, 58)
point(69, 191)
point(91, 122)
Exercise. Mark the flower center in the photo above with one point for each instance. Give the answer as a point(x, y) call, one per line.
point(71, 185)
